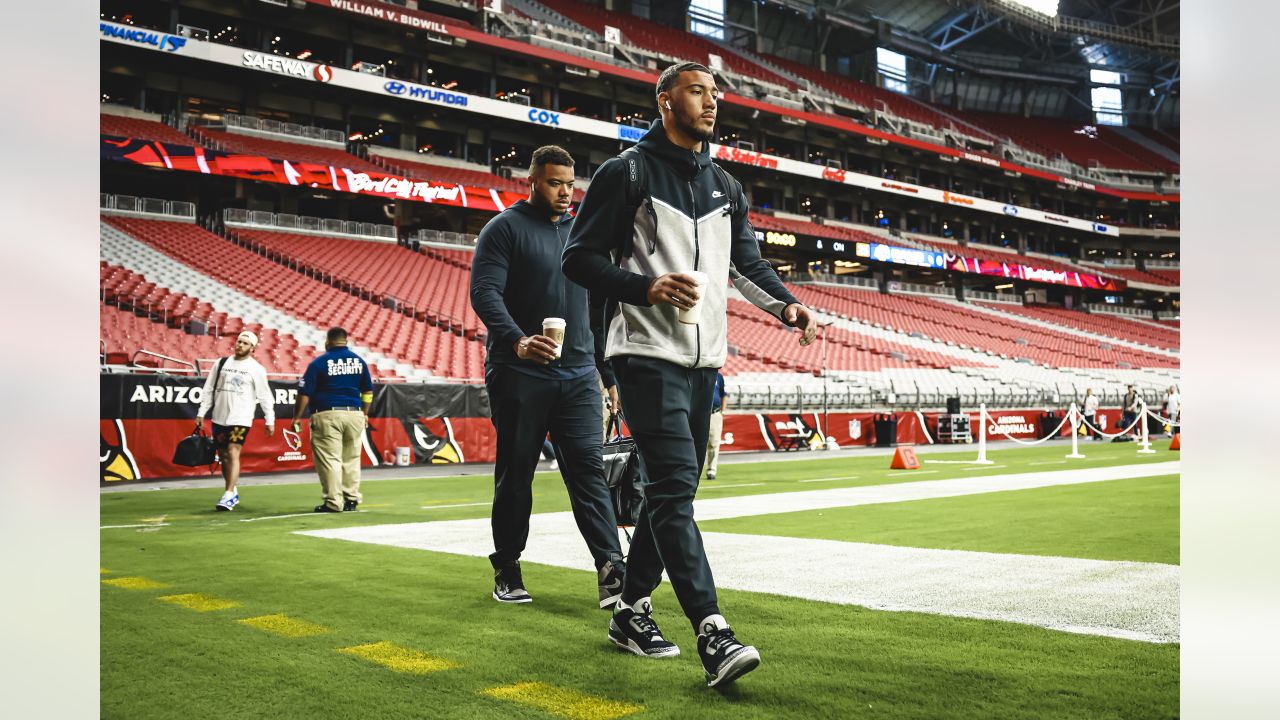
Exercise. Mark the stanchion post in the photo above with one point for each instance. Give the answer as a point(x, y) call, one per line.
point(1142, 418)
point(982, 436)
point(1073, 419)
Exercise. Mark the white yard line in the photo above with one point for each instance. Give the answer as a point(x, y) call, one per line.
point(910, 472)
point(830, 479)
point(277, 517)
point(1049, 462)
point(1138, 601)
point(437, 507)
point(985, 467)
point(721, 487)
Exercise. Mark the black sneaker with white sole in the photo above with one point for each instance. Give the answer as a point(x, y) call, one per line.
point(609, 583)
point(633, 630)
point(724, 659)
point(508, 586)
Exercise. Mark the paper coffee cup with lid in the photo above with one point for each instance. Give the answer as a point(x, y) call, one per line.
point(694, 314)
point(553, 327)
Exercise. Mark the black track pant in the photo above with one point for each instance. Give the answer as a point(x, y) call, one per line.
point(668, 410)
point(524, 410)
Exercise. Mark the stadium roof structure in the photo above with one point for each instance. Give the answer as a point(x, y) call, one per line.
point(1002, 40)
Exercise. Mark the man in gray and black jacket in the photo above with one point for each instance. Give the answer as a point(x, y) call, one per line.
point(652, 215)
point(516, 283)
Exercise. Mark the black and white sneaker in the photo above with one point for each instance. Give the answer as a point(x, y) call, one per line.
point(724, 659)
point(610, 583)
point(508, 586)
point(633, 630)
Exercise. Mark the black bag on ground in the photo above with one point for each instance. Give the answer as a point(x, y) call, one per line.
point(194, 450)
point(624, 474)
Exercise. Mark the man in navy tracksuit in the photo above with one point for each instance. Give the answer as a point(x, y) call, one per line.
point(650, 216)
point(516, 283)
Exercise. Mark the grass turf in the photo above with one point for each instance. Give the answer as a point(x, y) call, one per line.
point(1134, 519)
point(820, 660)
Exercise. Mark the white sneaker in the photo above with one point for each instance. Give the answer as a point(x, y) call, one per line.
point(228, 502)
point(554, 464)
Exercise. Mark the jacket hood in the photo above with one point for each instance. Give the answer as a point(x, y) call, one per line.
point(685, 162)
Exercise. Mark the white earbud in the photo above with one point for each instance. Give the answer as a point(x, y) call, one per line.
point(668, 104)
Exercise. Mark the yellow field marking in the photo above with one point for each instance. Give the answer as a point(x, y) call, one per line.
point(566, 703)
point(134, 583)
point(285, 625)
point(157, 519)
point(399, 659)
point(103, 571)
point(200, 602)
point(377, 505)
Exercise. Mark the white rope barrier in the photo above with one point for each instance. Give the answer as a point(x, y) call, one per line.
point(1125, 431)
point(1163, 420)
point(1076, 418)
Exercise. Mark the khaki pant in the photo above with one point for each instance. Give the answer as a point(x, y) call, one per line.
point(713, 441)
point(336, 440)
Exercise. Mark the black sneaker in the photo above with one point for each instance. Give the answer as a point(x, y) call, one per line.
point(350, 506)
point(724, 659)
point(508, 586)
point(634, 630)
point(610, 583)
point(322, 508)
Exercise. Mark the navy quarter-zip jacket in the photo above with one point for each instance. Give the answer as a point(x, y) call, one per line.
point(516, 282)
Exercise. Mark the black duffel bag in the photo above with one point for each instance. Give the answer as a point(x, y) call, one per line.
point(624, 474)
point(195, 450)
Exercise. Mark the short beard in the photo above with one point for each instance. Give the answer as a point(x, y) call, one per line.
point(700, 135)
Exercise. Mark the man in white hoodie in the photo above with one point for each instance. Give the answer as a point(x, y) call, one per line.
point(233, 388)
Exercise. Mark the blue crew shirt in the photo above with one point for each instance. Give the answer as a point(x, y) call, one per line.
point(336, 379)
point(717, 393)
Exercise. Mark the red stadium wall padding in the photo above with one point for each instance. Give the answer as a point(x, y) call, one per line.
point(143, 417)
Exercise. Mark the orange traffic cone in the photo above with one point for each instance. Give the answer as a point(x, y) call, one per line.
point(904, 458)
point(1177, 442)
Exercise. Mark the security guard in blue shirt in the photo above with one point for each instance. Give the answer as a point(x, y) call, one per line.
point(338, 388)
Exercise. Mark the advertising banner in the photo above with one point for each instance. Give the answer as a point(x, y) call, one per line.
point(314, 175)
point(142, 418)
point(305, 71)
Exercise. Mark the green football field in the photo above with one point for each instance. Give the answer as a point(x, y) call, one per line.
point(208, 614)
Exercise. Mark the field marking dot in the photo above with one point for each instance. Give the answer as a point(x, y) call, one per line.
point(200, 602)
point(399, 659)
point(564, 702)
point(134, 583)
point(284, 625)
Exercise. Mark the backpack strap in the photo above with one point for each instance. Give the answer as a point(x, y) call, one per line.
point(636, 190)
point(217, 383)
point(731, 188)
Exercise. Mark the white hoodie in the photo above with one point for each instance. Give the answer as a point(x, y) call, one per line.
point(243, 384)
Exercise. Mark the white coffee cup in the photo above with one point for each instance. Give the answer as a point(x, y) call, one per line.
point(694, 314)
point(553, 327)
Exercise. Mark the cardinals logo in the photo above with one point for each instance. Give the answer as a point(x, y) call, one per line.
point(782, 432)
point(432, 441)
point(115, 462)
